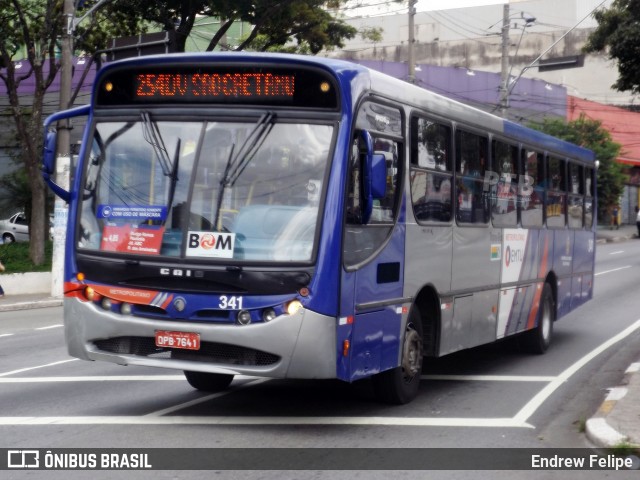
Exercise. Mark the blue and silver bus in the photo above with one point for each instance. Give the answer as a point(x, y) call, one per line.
point(307, 218)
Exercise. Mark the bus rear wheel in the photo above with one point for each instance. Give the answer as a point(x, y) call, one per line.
point(208, 382)
point(538, 340)
point(400, 385)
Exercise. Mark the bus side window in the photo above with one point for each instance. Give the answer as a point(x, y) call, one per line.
point(531, 189)
point(384, 209)
point(588, 197)
point(556, 198)
point(354, 185)
point(431, 174)
point(472, 205)
point(575, 210)
point(504, 187)
point(361, 241)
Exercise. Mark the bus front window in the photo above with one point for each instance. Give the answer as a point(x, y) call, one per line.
point(214, 190)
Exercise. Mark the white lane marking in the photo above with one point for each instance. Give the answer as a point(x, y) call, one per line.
point(6, 335)
point(50, 327)
point(171, 378)
point(13, 372)
point(530, 408)
point(613, 270)
point(633, 368)
point(109, 378)
point(106, 378)
point(616, 253)
point(197, 401)
point(518, 421)
point(489, 378)
point(233, 420)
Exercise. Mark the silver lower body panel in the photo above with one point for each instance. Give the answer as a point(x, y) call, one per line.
point(301, 346)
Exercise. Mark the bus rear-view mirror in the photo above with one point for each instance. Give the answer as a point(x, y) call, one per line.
point(49, 166)
point(374, 177)
point(49, 158)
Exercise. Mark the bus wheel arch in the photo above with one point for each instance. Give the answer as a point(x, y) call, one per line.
point(400, 385)
point(538, 339)
point(427, 302)
point(552, 281)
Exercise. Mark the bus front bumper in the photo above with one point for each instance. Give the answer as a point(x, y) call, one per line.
point(301, 346)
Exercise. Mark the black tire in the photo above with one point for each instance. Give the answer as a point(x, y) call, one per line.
point(8, 238)
point(400, 385)
point(208, 382)
point(538, 340)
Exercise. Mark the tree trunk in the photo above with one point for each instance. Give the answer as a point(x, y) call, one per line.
point(38, 225)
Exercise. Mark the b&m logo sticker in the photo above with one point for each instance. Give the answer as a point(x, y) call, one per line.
point(210, 244)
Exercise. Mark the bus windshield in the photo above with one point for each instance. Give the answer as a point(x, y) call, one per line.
point(204, 189)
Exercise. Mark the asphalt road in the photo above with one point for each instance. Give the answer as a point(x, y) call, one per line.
point(494, 397)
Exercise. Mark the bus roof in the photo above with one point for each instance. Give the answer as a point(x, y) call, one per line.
point(357, 80)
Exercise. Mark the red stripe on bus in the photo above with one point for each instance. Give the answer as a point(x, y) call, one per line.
point(533, 314)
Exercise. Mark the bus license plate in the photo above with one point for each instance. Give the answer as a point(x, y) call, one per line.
point(183, 340)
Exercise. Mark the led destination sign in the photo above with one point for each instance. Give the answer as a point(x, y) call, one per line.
point(212, 84)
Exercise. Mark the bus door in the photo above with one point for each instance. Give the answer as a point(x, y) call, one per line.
point(372, 281)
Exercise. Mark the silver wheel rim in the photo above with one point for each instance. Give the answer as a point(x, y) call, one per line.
point(546, 321)
point(411, 353)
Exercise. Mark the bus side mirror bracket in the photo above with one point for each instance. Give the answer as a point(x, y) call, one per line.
point(49, 166)
point(49, 154)
point(374, 177)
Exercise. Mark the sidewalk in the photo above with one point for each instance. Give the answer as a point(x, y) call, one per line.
point(624, 233)
point(615, 424)
point(28, 301)
point(617, 421)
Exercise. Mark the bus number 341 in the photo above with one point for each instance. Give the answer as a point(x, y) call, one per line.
point(230, 303)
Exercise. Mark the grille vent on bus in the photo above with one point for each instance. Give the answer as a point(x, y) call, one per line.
point(219, 353)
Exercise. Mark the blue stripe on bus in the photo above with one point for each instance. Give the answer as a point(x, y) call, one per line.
point(535, 137)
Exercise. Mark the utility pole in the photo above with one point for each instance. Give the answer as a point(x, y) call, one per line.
point(63, 158)
point(504, 77)
point(412, 40)
point(63, 155)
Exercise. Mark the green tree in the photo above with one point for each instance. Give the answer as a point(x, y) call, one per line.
point(31, 30)
point(371, 34)
point(590, 134)
point(18, 191)
point(274, 23)
point(618, 33)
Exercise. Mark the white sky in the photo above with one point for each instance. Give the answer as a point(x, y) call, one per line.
point(381, 7)
point(424, 5)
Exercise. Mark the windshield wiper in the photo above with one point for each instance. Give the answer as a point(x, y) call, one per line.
point(238, 162)
point(151, 134)
point(254, 141)
point(174, 179)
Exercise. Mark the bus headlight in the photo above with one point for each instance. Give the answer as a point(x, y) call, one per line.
point(90, 293)
point(106, 303)
point(125, 309)
point(268, 315)
point(293, 307)
point(244, 317)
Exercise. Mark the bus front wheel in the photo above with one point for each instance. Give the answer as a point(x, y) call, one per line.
point(208, 382)
point(538, 340)
point(400, 385)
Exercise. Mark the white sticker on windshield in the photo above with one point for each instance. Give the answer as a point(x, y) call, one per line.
point(210, 244)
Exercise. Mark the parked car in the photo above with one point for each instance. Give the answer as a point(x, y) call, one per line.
point(15, 228)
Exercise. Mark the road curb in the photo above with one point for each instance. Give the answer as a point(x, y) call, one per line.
point(46, 303)
point(598, 428)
